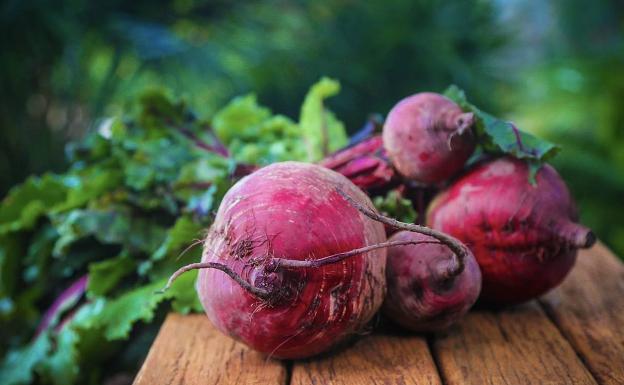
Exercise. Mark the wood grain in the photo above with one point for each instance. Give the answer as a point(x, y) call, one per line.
point(516, 346)
point(188, 350)
point(589, 310)
point(375, 359)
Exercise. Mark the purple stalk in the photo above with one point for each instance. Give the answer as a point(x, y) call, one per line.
point(217, 149)
point(517, 134)
point(373, 124)
point(68, 298)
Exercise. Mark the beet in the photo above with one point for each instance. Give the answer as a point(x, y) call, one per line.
point(523, 236)
point(433, 278)
point(271, 234)
point(420, 296)
point(428, 138)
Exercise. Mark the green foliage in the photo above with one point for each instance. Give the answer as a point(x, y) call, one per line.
point(254, 135)
point(106, 275)
point(395, 206)
point(499, 136)
point(178, 236)
point(315, 118)
point(129, 211)
point(27, 202)
point(19, 364)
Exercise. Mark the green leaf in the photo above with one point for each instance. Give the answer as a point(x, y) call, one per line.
point(502, 137)
point(18, 365)
point(158, 110)
point(62, 366)
point(183, 234)
point(201, 204)
point(253, 135)
point(113, 226)
point(89, 184)
point(395, 206)
point(93, 148)
point(457, 95)
point(156, 161)
point(240, 119)
point(184, 295)
point(10, 250)
point(321, 131)
point(39, 252)
point(119, 315)
point(202, 182)
point(104, 275)
point(86, 338)
point(204, 170)
point(80, 347)
point(26, 203)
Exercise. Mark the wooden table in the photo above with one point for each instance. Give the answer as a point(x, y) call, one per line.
point(573, 335)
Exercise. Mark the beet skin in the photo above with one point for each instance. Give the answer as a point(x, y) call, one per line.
point(292, 211)
point(523, 236)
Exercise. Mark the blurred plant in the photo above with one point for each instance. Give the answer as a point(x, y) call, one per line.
point(66, 62)
point(70, 62)
point(571, 94)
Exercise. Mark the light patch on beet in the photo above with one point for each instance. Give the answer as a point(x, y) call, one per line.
point(500, 169)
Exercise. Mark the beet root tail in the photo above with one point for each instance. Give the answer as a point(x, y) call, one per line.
point(577, 235)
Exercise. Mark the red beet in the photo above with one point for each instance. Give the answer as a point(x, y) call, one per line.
point(421, 296)
point(524, 237)
point(429, 287)
point(428, 138)
point(271, 233)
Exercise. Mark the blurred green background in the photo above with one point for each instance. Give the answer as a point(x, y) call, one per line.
point(554, 67)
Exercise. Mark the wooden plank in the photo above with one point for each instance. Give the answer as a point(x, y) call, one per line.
point(588, 308)
point(516, 346)
point(375, 359)
point(188, 350)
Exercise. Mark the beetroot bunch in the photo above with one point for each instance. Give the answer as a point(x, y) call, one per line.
point(299, 260)
point(510, 208)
